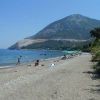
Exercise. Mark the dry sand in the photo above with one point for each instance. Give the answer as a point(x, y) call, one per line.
point(67, 80)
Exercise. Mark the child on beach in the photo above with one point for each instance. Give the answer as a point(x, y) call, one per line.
point(18, 61)
point(37, 63)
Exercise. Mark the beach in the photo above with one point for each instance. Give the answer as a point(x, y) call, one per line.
point(66, 80)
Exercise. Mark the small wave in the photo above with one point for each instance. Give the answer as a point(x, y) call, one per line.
point(3, 67)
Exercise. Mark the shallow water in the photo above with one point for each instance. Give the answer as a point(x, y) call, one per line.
point(9, 57)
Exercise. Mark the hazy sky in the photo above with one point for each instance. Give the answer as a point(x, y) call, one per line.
point(22, 18)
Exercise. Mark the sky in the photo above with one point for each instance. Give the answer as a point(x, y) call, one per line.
point(23, 18)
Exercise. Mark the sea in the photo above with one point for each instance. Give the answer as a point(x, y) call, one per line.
point(10, 57)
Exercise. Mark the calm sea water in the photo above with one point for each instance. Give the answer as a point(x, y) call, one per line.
point(9, 57)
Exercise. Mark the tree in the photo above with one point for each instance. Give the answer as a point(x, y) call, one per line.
point(95, 33)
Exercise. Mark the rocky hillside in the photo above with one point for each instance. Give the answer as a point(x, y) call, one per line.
point(74, 29)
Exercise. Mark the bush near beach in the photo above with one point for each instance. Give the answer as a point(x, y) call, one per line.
point(95, 49)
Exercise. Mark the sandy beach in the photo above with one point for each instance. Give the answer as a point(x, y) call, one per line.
point(67, 80)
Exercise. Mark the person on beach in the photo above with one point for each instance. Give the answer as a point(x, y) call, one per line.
point(37, 63)
point(52, 65)
point(64, 57)
point(18, 60)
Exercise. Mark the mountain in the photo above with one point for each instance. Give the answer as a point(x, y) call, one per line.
point(67, 32)
point(74, 26)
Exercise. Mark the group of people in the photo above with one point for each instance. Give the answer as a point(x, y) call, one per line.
point(36, 62)
point(19, 61)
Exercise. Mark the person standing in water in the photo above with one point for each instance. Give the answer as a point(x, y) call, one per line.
point(18, 61)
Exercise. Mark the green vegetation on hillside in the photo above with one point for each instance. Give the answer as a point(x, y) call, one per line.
point(95, 48)
point(60, 45)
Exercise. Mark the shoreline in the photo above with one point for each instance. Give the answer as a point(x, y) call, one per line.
point(26, 60)
point(26, 63)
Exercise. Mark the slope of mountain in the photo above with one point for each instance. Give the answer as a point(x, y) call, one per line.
point(74, 27)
